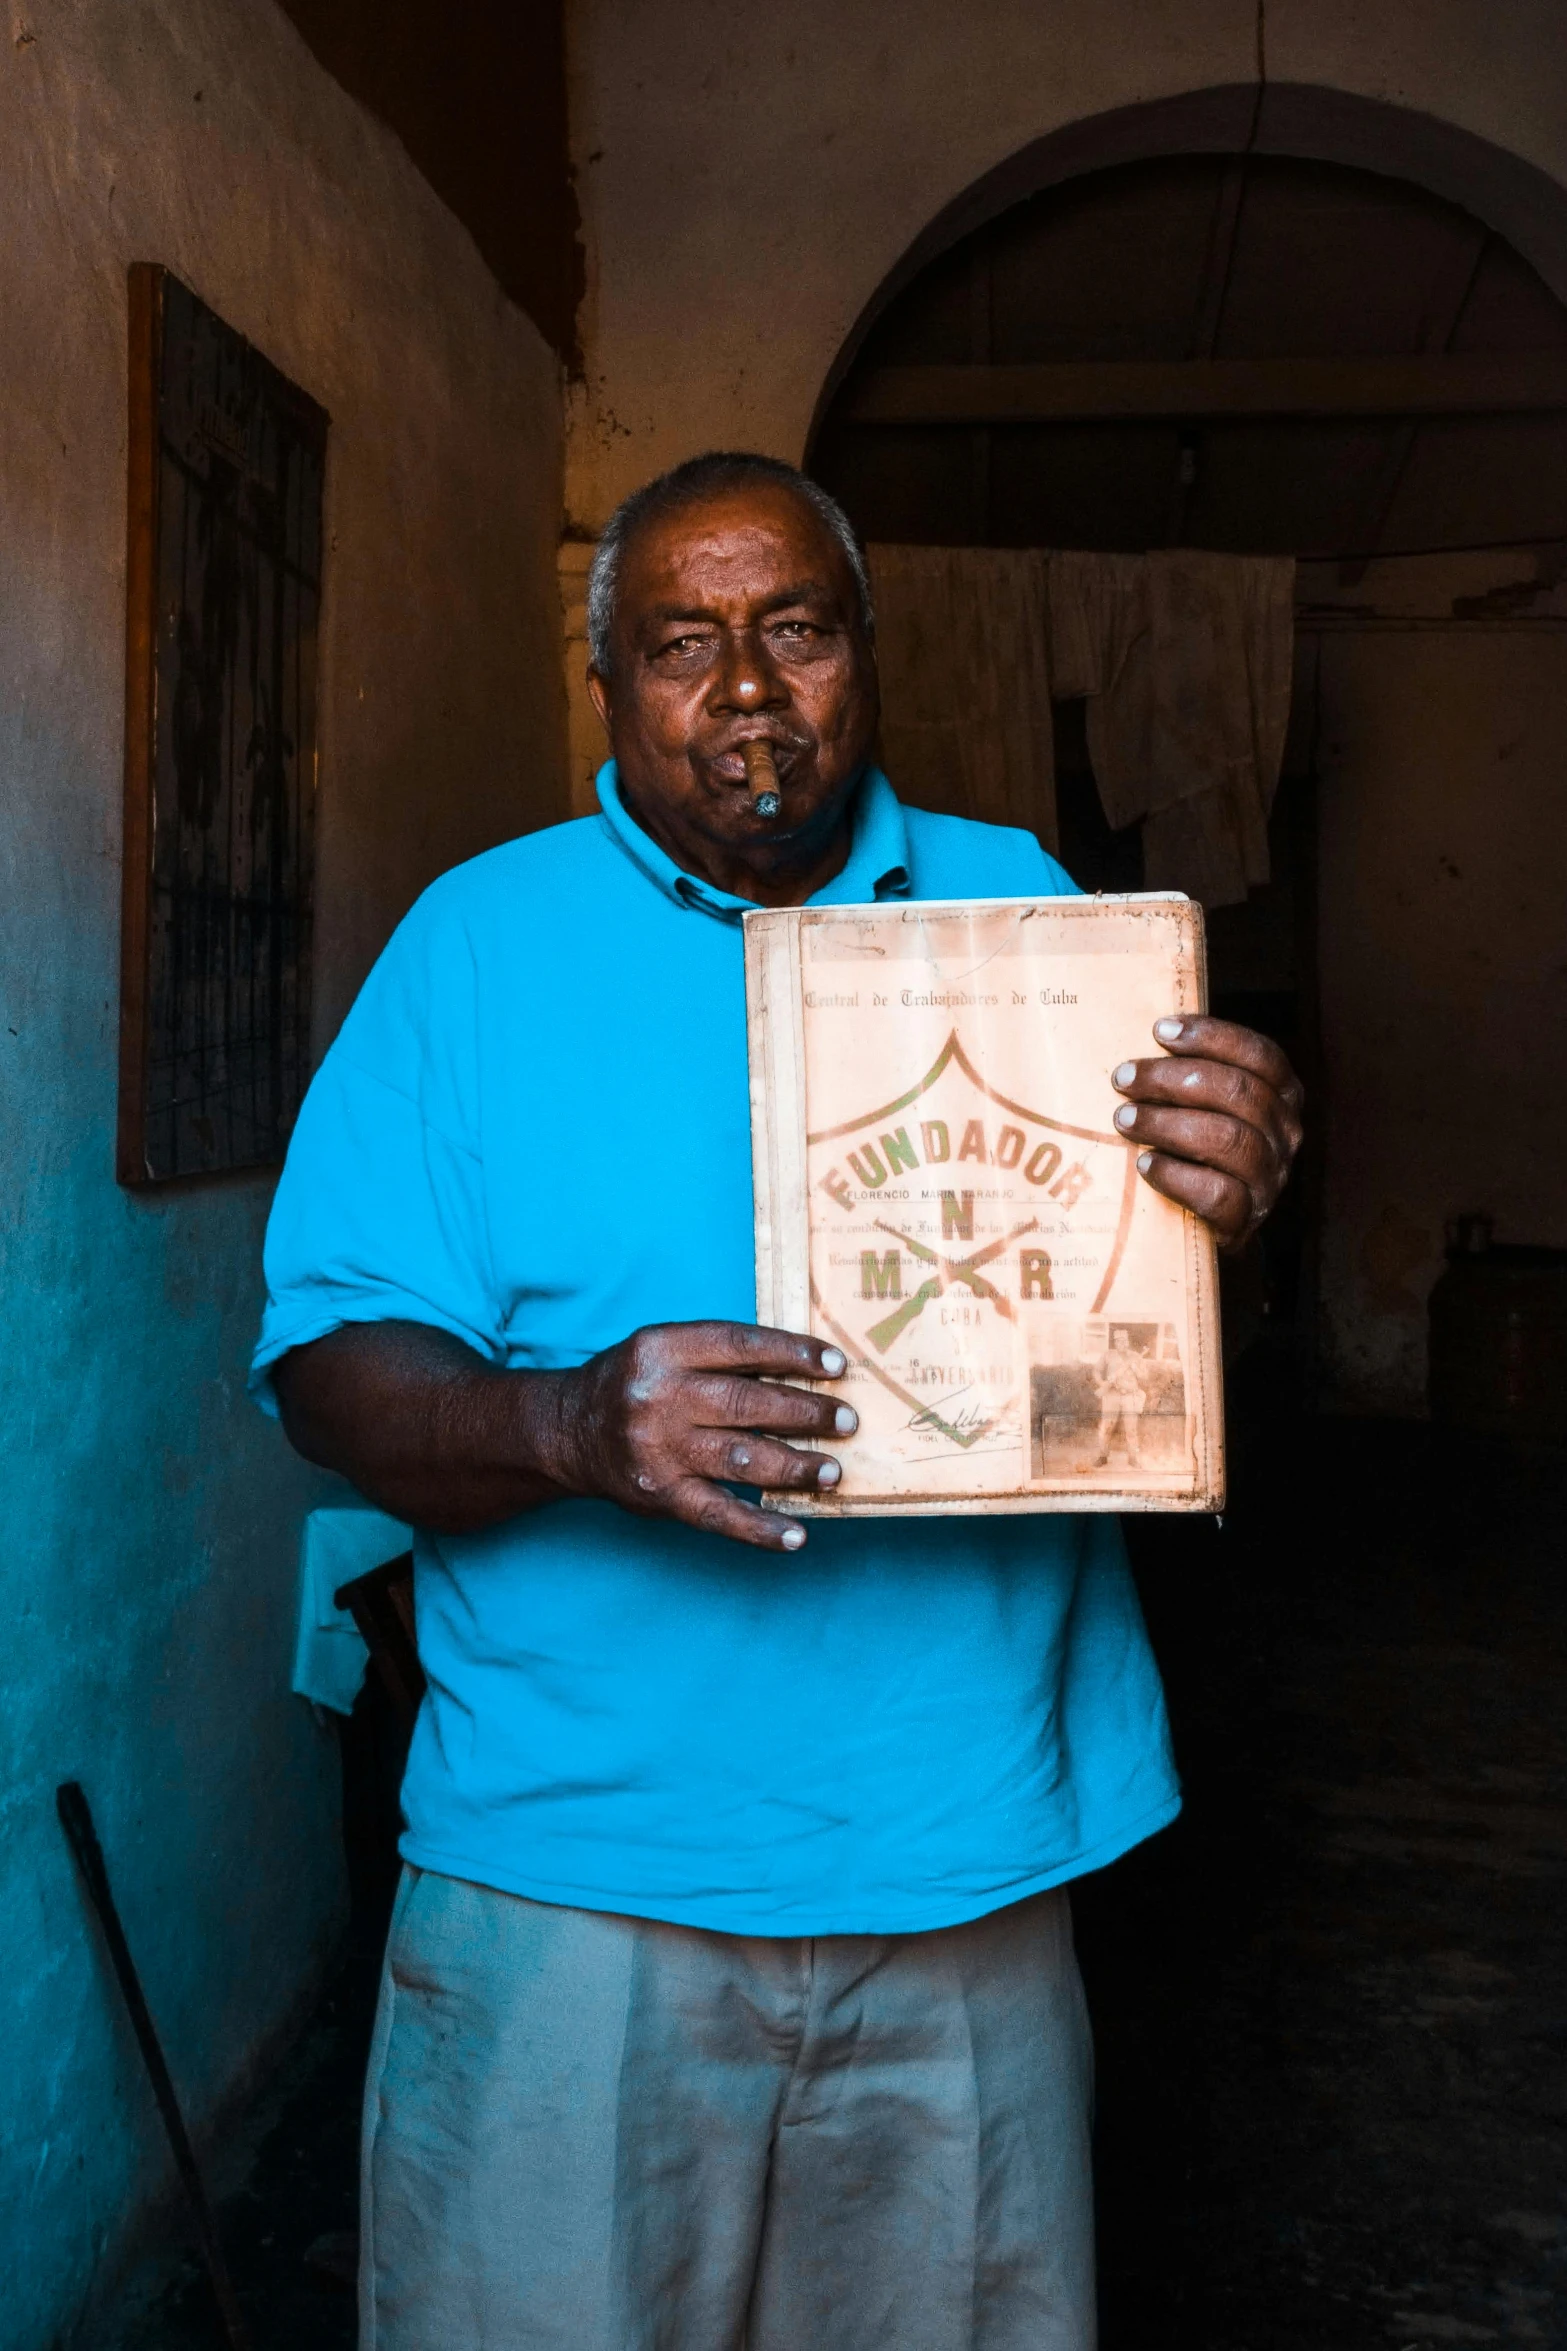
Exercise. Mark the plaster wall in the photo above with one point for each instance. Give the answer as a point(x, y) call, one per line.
point(747, 186)
point(1442, 803)
point(151, 1513)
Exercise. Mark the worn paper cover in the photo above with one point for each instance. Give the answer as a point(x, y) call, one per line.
point(941, 1190)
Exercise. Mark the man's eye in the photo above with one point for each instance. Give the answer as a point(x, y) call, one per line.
point(799, 630)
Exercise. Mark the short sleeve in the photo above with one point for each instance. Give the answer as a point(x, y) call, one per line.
point(380, 1214)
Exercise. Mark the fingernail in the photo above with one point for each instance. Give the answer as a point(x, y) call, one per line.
point(739, 1458)
point(846, 1420)
point(829, 1473)
point(832, 1361)
point(1124, 1075)
point(1144, 1162)
point(793, 1537)
point(1168, 1030)
point(1126, 1116)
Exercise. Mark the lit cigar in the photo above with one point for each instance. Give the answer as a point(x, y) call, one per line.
point(761, 778)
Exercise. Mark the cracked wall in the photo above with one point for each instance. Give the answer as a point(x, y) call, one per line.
point(1442, 873)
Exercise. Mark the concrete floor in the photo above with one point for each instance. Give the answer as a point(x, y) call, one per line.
point(1329, 2003)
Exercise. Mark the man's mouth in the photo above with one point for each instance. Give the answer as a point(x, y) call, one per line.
point(729, 764)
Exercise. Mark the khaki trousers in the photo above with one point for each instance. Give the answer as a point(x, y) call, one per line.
point(597, 2133)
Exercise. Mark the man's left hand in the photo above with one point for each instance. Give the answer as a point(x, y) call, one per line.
point(1218, 1121)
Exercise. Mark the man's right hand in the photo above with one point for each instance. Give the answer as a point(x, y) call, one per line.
point(662, 1424)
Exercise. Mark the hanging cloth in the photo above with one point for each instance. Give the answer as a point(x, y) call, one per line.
point(962, 638)
point(1185, 659)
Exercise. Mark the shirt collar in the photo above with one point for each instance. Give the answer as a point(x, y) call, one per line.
point(877, 865)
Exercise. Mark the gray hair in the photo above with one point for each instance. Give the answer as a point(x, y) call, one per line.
point(687, 485)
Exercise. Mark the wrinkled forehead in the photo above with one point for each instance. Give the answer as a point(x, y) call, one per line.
point(738, 547)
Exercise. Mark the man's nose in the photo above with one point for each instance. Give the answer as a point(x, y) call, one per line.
point(747, 679)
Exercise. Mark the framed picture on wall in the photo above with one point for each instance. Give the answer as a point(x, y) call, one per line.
point(226, 471)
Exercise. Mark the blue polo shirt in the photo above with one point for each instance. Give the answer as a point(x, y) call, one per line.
point(533, 1131)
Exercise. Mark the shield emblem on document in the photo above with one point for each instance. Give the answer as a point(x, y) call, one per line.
point(960, 1238)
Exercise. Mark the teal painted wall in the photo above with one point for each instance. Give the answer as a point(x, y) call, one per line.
point(151, 1515)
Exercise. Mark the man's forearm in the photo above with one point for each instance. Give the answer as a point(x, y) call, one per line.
point(660, 1423)
point(424, 1427)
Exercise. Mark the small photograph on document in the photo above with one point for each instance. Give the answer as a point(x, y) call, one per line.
point(1118, 1411)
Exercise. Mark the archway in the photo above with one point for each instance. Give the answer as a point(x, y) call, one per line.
point(1301, 121)
point(1273, 353)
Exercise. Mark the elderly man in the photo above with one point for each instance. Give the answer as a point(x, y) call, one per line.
point(730, 1992)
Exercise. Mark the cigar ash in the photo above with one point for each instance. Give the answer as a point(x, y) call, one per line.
point(761, 776)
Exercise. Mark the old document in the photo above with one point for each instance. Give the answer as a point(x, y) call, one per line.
point(940, 1189)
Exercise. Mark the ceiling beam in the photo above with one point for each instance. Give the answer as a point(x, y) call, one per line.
point(1093, 391)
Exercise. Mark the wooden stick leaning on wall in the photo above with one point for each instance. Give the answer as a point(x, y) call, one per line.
point(77, 1821)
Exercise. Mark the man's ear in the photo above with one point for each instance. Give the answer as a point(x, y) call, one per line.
point(598, 695)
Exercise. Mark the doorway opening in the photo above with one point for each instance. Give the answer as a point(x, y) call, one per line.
point(1266, 354)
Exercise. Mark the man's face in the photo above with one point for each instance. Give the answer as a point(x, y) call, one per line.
point(738, 618)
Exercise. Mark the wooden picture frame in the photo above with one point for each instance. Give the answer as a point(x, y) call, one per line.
point(223, 589)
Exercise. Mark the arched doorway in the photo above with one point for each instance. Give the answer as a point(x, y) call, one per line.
point(1270, 353)
point(1151, 270)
